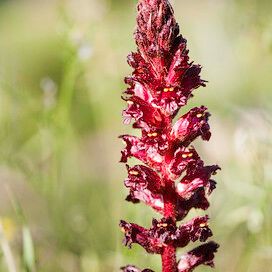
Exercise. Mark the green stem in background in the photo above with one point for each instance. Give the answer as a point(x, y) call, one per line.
point(8, 256)
point(28, 251)
point(71, 73)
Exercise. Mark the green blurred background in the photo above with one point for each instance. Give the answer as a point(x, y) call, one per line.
point(62, 65)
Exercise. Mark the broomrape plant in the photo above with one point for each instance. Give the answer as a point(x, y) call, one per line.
point(172, 178)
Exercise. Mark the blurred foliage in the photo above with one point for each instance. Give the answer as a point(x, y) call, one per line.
point(62, 65)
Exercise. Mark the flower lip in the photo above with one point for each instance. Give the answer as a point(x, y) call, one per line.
point(142, 177)
point(192, 125)
point(203, 254)
point(198, 200)
point(183, 159)
point(197, 177)
point(146, 117)
point(146, 152)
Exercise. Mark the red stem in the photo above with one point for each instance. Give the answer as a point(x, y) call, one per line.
point(169, 263)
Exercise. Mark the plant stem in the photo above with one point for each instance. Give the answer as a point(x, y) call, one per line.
point(169, 263)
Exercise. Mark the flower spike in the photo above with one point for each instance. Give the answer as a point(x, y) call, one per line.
point(171, 179)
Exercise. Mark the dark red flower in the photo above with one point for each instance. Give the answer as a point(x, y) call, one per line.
point(198, 177)
point(203, 254)
point(183, 158)
point(145, 116)
point(192, 125)
point(144, 152)
point(174, 96)
point(164, 233)
point(197, 228)
point(142, 177)
point(145, 185)
point(155, 201)
point(144, 237)
point(198, 200)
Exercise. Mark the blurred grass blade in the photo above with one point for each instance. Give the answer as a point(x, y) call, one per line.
point(8, 256)
point(28, 250)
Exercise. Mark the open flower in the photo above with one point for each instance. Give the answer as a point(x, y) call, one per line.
point(203, 254)
point(192, 125)
point(165, 233)
point(147, 153)
point(198, 177)
point(182, 159)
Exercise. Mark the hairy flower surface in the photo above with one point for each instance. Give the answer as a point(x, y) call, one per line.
point(171, 177)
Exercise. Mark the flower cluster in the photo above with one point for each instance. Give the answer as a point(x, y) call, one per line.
point(172, 179)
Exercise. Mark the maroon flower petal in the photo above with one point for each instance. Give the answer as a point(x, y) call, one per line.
point(132, 268)
point(172, 97)
point(155, 201)
point(145, 185)
point(191, 81)
point(197, 228)
point(156, 139)
point(138, 88)
point(183, 158)
point(141, 177)
point(144, 237)
point(192, 125)
point(146, 116)
point(203, 254)
point(146, 153)
point(143, 71)
point(134, 234)
point(197, 177)
point(198, 200)
point(179, 65)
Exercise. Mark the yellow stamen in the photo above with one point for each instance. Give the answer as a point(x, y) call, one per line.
point(184, 156)
point(154, 134)
point(190, 155)
point(199, 115)
point(123, 230)
point(134, 173)
point(171, 89)
point(163, 225)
